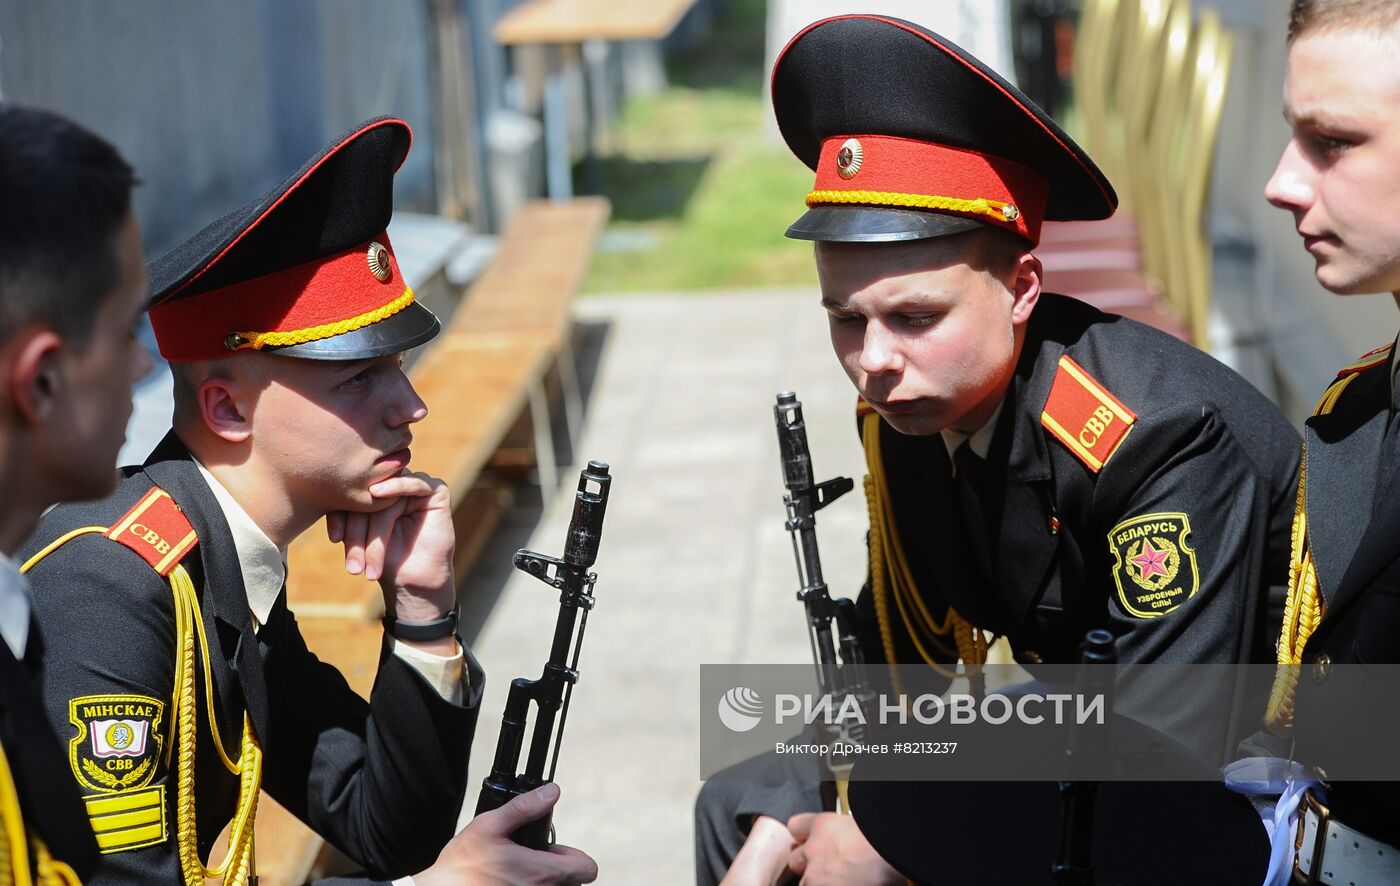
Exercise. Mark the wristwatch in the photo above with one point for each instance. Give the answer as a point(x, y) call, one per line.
point(420, 631)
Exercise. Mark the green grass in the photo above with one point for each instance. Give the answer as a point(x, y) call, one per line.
point(702, 190)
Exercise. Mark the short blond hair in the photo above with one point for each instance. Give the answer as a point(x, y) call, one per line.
point(1319, 15)
point(187, 378)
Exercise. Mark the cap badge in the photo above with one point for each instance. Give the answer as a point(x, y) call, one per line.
point(848, 158)
point(379, 262)
point(1010, 212)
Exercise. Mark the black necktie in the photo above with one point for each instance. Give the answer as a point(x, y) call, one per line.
point(970, 478)
point(268, 633)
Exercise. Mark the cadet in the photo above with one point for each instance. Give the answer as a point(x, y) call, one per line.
point(72, 290)
point(1039, 468)
point(1337, 176)
point(180, 680)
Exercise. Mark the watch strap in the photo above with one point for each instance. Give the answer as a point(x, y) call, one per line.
point(421, 631)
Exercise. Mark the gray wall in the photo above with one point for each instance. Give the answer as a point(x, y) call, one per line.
point(214, 102)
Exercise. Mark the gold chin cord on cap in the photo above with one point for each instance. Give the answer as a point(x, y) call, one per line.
point(236, 341)
point(996, 210)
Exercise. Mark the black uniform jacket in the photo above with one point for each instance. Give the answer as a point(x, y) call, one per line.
point(1205, 444)
point(1353, 509)
point(381, 780)
point(51, 807)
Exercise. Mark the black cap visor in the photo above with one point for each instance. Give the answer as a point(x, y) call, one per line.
point(407, 329)
point(876, 224)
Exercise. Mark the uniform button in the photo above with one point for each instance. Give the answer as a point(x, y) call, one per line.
point(1030, 655)
point(1322, 667)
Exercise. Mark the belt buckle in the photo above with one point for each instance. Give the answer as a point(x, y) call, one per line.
point(1324, 815)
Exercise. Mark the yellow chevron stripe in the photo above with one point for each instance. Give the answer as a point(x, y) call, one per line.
point(121, 820)
point(106, 804)
point(120, 841)
point(128, 820)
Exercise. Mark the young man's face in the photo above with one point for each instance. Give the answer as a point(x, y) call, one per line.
point(331, 429)
point(1340, 172)
point(927, 336)
point(96, 383)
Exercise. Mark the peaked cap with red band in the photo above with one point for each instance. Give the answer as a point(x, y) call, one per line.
point(912, 137)
point(306, 270)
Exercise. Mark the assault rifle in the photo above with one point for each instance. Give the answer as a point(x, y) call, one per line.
point(552, 691)
point(839, 674)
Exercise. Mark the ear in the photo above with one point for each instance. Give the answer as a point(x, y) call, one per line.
point(35, 377)
point(1025, 288)
point(225, 407)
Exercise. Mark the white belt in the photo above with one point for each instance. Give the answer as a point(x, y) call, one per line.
point(1345, 856)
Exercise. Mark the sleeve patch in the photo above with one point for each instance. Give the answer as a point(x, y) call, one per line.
point(1153, 565)
point(117, 743)
point(1084, 416)
point(129, 819)
point(156, 529)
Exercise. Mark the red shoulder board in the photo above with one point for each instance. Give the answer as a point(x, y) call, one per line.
point(1366, 361)
point(156, 529)
point(863, 408)
point(1084, 416)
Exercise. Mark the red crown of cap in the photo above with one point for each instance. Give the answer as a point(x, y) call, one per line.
point(882, 170)
point(329, 296)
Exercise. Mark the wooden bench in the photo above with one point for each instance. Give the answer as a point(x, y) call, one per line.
point(546, 39)
point(575, 21)
point(486, 382)
point(528, 288)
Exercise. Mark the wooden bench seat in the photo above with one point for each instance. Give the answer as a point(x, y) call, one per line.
point(529, 287)
point(575, 21)
point(539, 267)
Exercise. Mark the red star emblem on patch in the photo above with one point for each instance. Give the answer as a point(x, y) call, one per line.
point(1151, 561)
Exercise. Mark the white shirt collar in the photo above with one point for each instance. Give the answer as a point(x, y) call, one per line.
point(980, 439)
point(263, 564)
point(14, 607)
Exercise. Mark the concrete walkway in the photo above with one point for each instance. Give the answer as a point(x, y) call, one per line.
point(694, 566)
